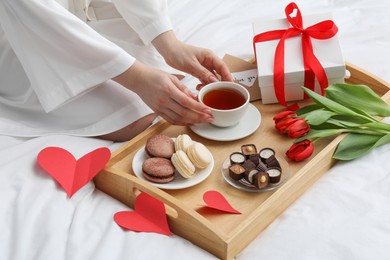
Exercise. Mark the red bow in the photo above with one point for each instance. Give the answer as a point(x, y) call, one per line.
point(313, 68)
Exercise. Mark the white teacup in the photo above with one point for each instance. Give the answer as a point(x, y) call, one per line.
point(228, 102)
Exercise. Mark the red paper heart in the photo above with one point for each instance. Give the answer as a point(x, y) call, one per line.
point(216, 200)
point(148, 216)
point(70, 173)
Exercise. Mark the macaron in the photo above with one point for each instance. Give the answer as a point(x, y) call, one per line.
point(183, 164)
point(160, 146)
point(199, 155)
point(158, 170)
point(182, 142)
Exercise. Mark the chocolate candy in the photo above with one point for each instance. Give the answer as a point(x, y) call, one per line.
point(274, 174)
point(262, 167)
point(237, 158)
point(258, 168)
point(236, 172)
point(272, 162)
point(261, 180)
point(255, 158)
point(249, 175)
point(248, 149)
point(248, 165)
point(265, 153)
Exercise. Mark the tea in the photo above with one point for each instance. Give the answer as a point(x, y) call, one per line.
point(223, 99)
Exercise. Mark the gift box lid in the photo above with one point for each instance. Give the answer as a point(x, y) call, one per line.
point(328, 51)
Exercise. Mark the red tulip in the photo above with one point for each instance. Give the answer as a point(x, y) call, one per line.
point(283, 115)
point(298, 128)
point(300, 151)
point(283, 119)
point(283, 124)
point(294, 127)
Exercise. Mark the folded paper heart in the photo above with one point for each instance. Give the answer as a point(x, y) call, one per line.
point(148, 216)
point(216, 200)
point(70, 173)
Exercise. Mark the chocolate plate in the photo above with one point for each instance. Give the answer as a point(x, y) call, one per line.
point(246, 186)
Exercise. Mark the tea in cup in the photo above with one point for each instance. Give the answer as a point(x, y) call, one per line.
point(228, 102)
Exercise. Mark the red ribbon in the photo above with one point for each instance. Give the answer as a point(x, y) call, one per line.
point(313, 68)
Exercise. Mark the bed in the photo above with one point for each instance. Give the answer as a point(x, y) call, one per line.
point(344, 215)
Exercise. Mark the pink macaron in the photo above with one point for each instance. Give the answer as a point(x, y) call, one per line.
point(158, 170)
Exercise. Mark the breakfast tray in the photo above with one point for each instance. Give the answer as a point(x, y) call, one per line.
point(226, 235)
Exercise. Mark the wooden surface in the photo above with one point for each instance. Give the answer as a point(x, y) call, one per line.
point(225, 235)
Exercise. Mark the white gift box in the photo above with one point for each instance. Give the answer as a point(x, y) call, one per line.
point(327, 51)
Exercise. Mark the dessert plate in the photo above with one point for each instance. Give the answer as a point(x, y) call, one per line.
point(247, 125)
point(179, 182)
point(246, 186)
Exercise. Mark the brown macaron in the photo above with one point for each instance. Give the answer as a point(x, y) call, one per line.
point(160, 146)
point(158, 170)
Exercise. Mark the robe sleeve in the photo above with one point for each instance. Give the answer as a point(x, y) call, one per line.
point(61, 55)
point(149, 18)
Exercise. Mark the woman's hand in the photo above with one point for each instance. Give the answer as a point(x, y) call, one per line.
point(199, 62)
point(164, 94)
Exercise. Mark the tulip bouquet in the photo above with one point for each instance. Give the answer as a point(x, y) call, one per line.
point(345, 108)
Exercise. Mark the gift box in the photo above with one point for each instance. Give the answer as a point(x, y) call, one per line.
point(283, 70)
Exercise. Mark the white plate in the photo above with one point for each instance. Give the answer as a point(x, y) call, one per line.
point(247, 125)
point(179, 182)
point(246, 186)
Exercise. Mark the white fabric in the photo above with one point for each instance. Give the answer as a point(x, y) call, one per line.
point(147, 19)
point(344, 215)
point(55, 78)
point(58, 65)
point(48, 225)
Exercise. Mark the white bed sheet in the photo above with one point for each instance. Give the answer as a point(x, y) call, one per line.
point(344, 215)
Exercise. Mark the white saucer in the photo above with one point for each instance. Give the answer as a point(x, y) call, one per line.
point(247, 125)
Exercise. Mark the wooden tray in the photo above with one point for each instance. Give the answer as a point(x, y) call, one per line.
point(226, 235)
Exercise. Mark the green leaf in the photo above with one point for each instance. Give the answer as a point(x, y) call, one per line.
point(345, 122)
point(356, 145)
point(307, 109)
point(350, 120)
point(314, 134)
point(330, 124)
point(364, 113)
point(358, 98)
point(329, 104)
point(318, 116)
point(378, 125)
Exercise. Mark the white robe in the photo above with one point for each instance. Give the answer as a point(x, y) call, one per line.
point(55, 69)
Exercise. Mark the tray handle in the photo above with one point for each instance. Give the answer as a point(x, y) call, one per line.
point(362, 77)
point(183, 221)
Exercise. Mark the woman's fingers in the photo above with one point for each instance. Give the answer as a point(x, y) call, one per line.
point(184, 108)
point(221, 68)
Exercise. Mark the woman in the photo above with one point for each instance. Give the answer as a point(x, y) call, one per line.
point(70, 67)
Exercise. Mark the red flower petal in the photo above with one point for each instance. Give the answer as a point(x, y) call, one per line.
point(300, 151)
